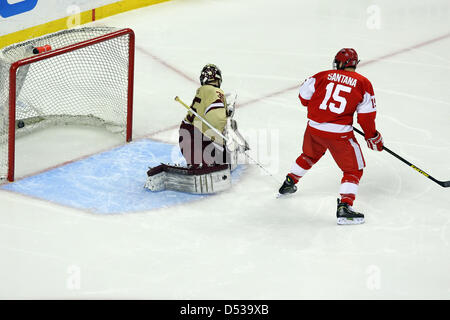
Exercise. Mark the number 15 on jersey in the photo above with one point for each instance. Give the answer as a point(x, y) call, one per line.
point(335, 91)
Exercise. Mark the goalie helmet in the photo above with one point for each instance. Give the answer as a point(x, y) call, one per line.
point(210, 73)
point(347, 57)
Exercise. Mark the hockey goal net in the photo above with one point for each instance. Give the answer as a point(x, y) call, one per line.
point(86, 78)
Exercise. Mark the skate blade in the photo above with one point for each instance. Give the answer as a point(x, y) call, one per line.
point(350, 221)
point(280, 195)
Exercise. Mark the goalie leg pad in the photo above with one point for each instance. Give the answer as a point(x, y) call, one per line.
point(203, 180)
point(156, 180)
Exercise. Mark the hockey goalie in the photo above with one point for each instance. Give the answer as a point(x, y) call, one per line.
point(209, 141)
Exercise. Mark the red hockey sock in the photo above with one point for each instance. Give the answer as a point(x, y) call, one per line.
point(300, 167)
point(348, 198)
point(294, 177)
point(352, 176)
point(305, 162)
point(349, 186)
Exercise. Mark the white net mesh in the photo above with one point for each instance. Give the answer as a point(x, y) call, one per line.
point(86, 86)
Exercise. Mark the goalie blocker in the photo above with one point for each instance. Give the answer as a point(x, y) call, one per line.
point(200, 180)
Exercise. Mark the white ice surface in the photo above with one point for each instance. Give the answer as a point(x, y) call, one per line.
point(245, 244)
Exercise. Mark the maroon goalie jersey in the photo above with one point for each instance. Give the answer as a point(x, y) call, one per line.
point(332, 98)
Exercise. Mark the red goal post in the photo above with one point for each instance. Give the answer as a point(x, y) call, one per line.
point(81, 70)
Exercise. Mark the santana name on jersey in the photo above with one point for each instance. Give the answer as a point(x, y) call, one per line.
point(342, 79)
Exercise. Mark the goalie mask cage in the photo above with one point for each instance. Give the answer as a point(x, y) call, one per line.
point(86, 79)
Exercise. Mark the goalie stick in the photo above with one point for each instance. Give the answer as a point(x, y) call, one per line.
point(220, 134)
point(444, 184)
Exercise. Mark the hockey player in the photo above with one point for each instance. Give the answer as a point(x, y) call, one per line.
point(207, 154)
point(332, 97)
point(199, 144)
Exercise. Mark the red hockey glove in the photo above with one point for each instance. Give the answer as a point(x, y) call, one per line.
point(375, 143)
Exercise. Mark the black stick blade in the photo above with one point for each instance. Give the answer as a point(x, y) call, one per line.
point(445, 184)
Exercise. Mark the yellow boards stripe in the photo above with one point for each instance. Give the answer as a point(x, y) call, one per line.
point(67, 22)
point(122, 6)
point(42, 29)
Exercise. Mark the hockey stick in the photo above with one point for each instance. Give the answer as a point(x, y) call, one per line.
point(220, 134)
point(444, 184)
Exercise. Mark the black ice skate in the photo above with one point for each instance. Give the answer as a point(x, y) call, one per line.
point(288, 187)
point(346, 215)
